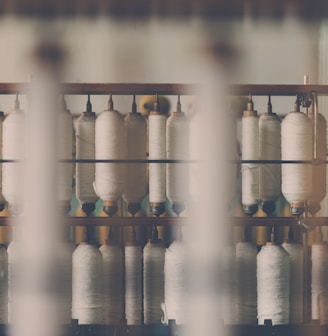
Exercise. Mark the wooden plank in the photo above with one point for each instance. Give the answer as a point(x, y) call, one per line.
point(114, 88)
point(277, 90)
point(278, 221)
point(170, 89)
point(113, 221)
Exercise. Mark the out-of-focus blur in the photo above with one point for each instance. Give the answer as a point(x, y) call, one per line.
point(210, 43)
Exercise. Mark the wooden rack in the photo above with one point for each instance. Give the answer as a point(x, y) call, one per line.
point(183, 89)
point(171, 89)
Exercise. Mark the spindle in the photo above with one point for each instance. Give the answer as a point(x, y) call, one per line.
point(296, 144)
point(157, 151)
point(177, 148)
point(136, 131)
point(110, 145)
point(250, 151)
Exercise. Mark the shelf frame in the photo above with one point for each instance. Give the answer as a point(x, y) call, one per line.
point(109, 221)
point(172, 89)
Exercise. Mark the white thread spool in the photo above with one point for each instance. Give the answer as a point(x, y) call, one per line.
point(319, 171)
point(273, 281)
point(85, 149)
point(295, 252)
point(65, 152)
point(296, 144)
point(133, 284)
point(65, 252)
point(176, 275)
point(270, 149)
point(229, 285)
point(250, 151)
point(87, 287)
point(112, 256)
point(246, 253)
point(319, 277)
point(136, 183)
point(153, 279)
point(177, 148)
point(110, 145)
point(157, 151)
point(13, 145)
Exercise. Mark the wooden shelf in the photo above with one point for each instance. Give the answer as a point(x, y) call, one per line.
point(277, 90)
point(171, 89)
point(279, 221)
point(113, 221)
point(114, 88)
point(174, 221)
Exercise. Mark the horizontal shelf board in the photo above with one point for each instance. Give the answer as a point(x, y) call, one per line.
point(278, 221)
point(173, 221)
point(125, 221)
point(313, 162)
point(111, 221)
point(113, 161)
point(113, 88)
point(277, 90)
point(171, 89)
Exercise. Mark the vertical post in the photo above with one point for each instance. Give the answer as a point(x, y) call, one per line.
point(36, 311)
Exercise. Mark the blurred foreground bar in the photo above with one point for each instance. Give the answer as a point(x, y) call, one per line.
point(308, 10)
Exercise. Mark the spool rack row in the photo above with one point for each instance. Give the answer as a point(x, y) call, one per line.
point(182, 89)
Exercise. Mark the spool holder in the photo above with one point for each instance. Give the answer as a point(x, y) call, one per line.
point(164, 89)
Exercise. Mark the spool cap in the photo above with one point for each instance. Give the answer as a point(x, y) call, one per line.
point(110, 103)
point(250, 210)
point(269, 207)
point(157, 104)
point(88, 208)
point(178, 207)
point(157, 208)
point(17, 104)
point(134, 105)
point(110, 209)
point(133, 208)
point(313, 208)
point(250, 112)
point(272, 237)
point(89, 105)
point(297, 104)
point(154, 238)
point(297, 208)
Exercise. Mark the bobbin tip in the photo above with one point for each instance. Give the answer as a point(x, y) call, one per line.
point(250, 210)
point(157, 209)
point(178, 207)
point(269, 207)
point(88, 208)
point(313, 208)
point(110, 210)
point(133, 208)
point(297, 208)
